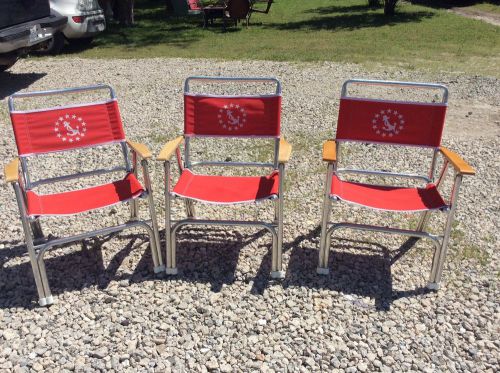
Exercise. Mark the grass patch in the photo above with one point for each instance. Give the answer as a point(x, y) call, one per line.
point(474, 253)
point(314, 30)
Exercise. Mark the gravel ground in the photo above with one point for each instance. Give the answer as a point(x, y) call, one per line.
point(222, 313)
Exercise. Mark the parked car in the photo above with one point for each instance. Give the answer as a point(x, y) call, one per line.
point(25, 25)
point(85, 20)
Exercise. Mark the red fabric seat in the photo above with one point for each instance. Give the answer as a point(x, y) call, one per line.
point(76, 201)
point(388, 197)
point(226, 189)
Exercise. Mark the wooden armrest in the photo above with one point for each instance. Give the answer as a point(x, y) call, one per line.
point(460, 165)
point(330, 151)
point(285, 151)
point(169, 149)
point(11, 171)
point(140, 149)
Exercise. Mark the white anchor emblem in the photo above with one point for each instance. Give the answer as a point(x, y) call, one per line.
point(388, 123)
point(232, 117)
point(70, 128)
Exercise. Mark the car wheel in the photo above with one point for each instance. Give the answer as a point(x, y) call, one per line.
point(54, 46)
point(82, 41)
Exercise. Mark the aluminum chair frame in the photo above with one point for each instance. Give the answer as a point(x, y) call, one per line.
point(331, 152)
point(282, 151)
point(37, 244)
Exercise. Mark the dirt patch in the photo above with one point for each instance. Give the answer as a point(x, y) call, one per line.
point(481, 15)
point(467, 120)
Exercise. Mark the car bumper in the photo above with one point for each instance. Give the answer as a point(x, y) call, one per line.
point(29, 34)
point(90, 26)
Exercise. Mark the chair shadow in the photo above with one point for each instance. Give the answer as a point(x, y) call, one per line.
point(13, 82)
point(447, 4)
point(69, 272)
point(366, 273)
point(214, 260)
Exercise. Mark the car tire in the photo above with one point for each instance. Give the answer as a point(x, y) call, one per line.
point(84, 42)
point(55, 45)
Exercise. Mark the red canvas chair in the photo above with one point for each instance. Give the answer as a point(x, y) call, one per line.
point(64, 129)
point(228, 117)
point(374, 121)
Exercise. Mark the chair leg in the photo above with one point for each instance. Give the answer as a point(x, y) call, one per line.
point(30, 246)
point(155, 239)
point(155, 244)
point(440, 255)
point(45, 281)
point(171, 249)
point(277, 261)
point(171, 268)
point(438, 262)
point(134, 205)
point(327, 206)
point(36, 228)
point(190, 210)
point(323, 248)
point(424, 219)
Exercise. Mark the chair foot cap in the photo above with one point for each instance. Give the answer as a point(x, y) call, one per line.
point(171, 271)
point(433, 286)
point(159, 269)
point(278, 274)
point(322, 271)
point(47, 301)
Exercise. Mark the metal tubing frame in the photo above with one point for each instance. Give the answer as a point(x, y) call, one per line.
point(325, 215)
point(438, 263)
point(52, 180)
point(134, 208)
point(323, 264)
point(233, 164)
point(52, 92)
point(440, 242)
point(227, 79)
point(156, 248)
point(30, 245)
point(382, 173)
point(43, 248)
point(396, 84)
point(276, 271)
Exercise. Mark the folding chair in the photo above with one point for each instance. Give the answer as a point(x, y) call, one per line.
point(387, 122)
point(253, 9)
point(65, 129)
point(227, 116)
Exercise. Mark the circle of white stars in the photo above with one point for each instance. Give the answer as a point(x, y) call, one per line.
point(395, 116)
point(224, 117)
point(74, 121)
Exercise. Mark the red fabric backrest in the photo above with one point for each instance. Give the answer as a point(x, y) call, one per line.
point(232, 116)
point(393, 122)
point(194, 4)
point(65, 128)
